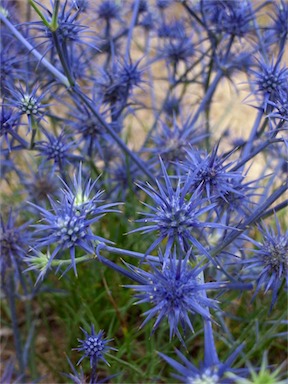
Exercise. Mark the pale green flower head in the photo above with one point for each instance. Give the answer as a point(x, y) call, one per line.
point(262, 376)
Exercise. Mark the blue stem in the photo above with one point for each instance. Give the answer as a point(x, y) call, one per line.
point(63, 79)
point(131, 28)
point(15, 327)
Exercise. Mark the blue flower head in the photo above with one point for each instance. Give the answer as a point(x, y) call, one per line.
point(80, 378)
point(270, 79)
point(232, 18)
point(173, 30)
point(174, 214)
point(14, 243)
point(280, 105)
point(175, 291)
point(69, 30)
point(109, 10)
point(94, 346)
point(171, 141)
point(68, 225)
point(211, 370)
point(178, 50)
point(29, 103)
point(210, 172)
point(208, 372)
point(9, 124)
point(58, 149)
point(85, 197)
point(270, 260)
point(280, 27)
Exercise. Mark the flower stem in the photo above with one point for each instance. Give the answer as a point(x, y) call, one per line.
point(57, 74)
point(14, 320)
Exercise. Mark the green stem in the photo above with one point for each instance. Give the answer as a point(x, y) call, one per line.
point(54, 22)
point(62, 59)
point(39, 13)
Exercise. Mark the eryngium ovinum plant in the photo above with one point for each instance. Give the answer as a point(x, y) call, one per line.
point(144, 191)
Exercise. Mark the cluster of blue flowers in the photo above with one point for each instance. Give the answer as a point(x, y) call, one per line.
point(104, 100)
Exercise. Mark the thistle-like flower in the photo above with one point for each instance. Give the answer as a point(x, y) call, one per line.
point(14, 243)
point(58, 149)
point(210, 173)
point(176, 291)
point(270, 79)
point(9, 124)
point(28, 102)
point(231, 18)
point(270, 260)
point(109, 10)
point(85, 197)
point(68, 225)
point(172, 142)
point(206, 374)
point(280, 105)
point(178, 50)
point(175, 214)
point(211, 370)
point(69, 30)
point(94, 346)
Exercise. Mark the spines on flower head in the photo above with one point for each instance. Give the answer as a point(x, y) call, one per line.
point(270, 260)
point(14, 243)
point(68, 225)
point(210, 173)
point(270, 79)
point(174, 214)
point(28, 102)
point(94, 347)
point(176, 291)
point(57, 149)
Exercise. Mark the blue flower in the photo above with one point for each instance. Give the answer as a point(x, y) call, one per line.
point(210, 173)
point(171, 141)
point(173, 30)
point(85, 198)
point(109, 10)
point(177, 50)
point(64, 229)
point(176, 291)
point(9, 124)
point(209, 372)
point(40, 184)
point(280, 27)
point(270, 79)
point(117, 83)
point(80, 378)
point(172, 106)
point(58, 149)
point(28, 102)
point(280, 105)
point(270, 260)
point(14, 243)
point(231, 18)
point(94, 346)
point(68, 225)
point(175, 214)
point(69, 31)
